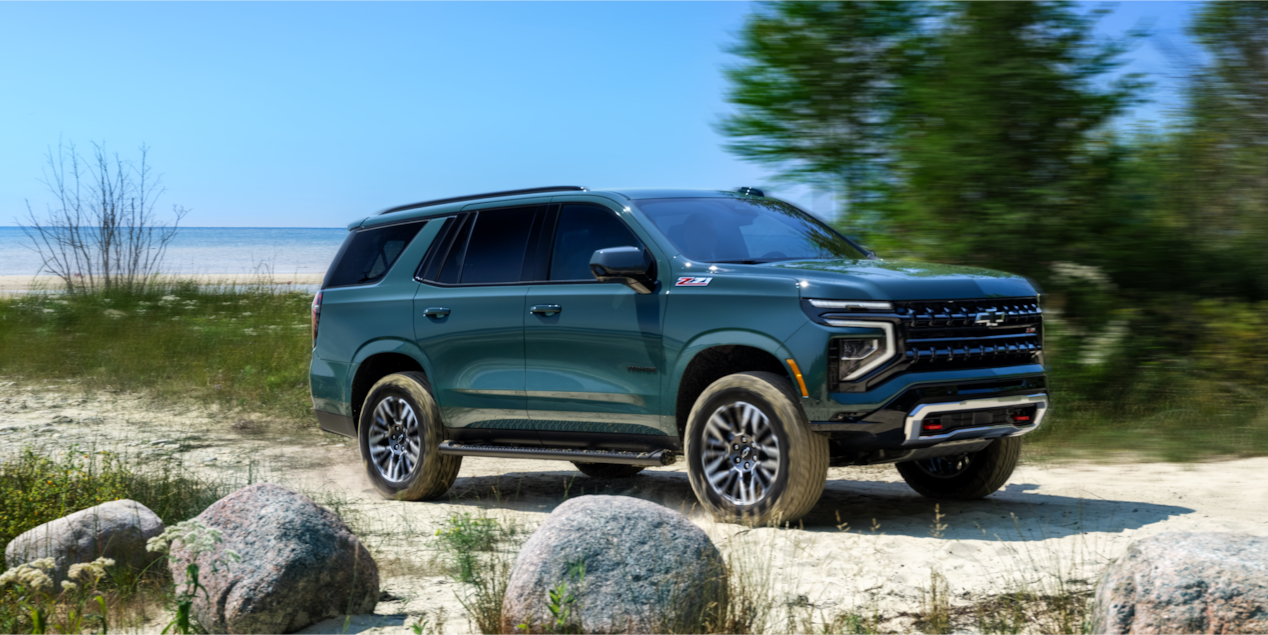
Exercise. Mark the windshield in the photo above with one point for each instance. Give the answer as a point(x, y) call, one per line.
point(748, 231)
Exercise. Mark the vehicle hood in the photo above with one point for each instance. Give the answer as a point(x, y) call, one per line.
point(901, 280)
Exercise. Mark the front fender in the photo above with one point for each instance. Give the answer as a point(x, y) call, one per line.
point(721, 337)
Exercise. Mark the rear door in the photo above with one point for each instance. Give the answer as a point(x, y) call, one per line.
point(469, 317)
point(593, 352)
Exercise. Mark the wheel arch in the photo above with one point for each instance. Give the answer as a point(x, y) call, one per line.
point(713, 356)
point(378, 359)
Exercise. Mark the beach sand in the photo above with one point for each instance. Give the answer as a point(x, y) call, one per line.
point(26, 284)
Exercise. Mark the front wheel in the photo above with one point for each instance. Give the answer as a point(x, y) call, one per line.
point(751, 457)
point(400, 433)
point(964, 476)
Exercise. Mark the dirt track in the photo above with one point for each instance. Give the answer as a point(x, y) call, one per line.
point(1063, 520)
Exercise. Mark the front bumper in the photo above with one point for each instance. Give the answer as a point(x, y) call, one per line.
point(897, 424)
point(914, 418)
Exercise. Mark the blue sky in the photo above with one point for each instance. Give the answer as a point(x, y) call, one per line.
point(313, 114)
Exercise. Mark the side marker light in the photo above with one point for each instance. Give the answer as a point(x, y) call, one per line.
point(801, 382)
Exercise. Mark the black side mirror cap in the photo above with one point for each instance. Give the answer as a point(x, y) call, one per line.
point(628, 265)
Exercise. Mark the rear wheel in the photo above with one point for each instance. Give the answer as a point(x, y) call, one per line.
point(608, 470)
point(751, 457)
point(964, 476)
point(400, 432)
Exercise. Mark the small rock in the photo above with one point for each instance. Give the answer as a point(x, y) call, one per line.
point(1186, 583)
point(299, 564)
point(647, 569)
point(63, 419)
point(118, 529)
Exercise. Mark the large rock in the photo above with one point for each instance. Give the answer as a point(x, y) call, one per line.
point(647, 569)
point(299, 564)
point(1186, 583)
point(118, 530)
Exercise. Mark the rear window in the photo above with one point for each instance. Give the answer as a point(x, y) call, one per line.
point(368, 254)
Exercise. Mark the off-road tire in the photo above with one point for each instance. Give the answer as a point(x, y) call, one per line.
point(987, 471)
point(608, 470)
point(803, 461)
point(433, 473)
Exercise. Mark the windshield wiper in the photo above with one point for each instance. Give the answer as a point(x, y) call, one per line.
point(740, 262)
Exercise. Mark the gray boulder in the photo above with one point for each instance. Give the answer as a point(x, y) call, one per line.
point(631, 566)
point(1186, 583)
point(298, 564)
point(118, 530)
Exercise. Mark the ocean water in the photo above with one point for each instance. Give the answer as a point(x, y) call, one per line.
point(211, 250)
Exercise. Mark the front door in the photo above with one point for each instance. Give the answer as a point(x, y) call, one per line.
point(593, 352)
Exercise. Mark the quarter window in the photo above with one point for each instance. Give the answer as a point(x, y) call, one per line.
point(581, 231)
point(369, 254)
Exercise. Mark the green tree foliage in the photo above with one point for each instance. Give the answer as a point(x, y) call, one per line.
point(819, 89)
point(997, 140)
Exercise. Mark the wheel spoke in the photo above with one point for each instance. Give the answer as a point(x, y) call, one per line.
point(739, 453)
point(394, 439)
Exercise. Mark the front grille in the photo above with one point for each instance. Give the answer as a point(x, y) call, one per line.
point(937, 335)
point(946, 335)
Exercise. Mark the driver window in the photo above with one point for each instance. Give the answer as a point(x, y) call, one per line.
point(581, 231)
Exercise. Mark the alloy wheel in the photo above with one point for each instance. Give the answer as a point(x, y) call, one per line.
point(740, 454)
point(395, 441)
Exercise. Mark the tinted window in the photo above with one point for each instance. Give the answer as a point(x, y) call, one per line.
point(452, 266)
point(495, 252)
point(581, 231)
point(368, 254)
point(734, 230)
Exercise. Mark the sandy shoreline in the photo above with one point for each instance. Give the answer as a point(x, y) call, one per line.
point(26, 284)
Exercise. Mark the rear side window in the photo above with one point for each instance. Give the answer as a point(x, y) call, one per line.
point(368, 254)
point(495, 251)
point(581, 231)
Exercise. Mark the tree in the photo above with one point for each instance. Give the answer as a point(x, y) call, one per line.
point(1225, 145)
point(998, 142)
point(817, 95)
point(102, 233)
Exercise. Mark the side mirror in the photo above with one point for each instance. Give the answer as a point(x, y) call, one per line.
point(627, 265)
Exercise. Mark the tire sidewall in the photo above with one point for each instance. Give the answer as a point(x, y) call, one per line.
point(709, 403)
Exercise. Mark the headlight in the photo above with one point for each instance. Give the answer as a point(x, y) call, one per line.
point(859, 355)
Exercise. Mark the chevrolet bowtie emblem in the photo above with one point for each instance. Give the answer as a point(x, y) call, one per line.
point(990, 318)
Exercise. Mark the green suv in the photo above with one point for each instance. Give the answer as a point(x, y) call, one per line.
point(620, 329)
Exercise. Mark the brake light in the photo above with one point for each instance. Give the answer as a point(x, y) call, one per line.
point(316, 316)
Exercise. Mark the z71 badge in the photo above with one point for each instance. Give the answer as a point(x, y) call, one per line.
point(689, 281)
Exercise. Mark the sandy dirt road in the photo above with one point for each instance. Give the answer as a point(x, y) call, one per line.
point(868, 547)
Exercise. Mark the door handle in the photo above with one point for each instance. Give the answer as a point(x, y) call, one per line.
point(436, 312)
point(545, 309)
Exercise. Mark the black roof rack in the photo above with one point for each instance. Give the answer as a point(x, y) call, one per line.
point(473, 197)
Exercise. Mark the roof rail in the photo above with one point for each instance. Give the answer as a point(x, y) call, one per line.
point(473, 197)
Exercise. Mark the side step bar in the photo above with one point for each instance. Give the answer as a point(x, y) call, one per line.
point(657, 457)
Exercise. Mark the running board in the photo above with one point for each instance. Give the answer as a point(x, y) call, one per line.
point(657, 457)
